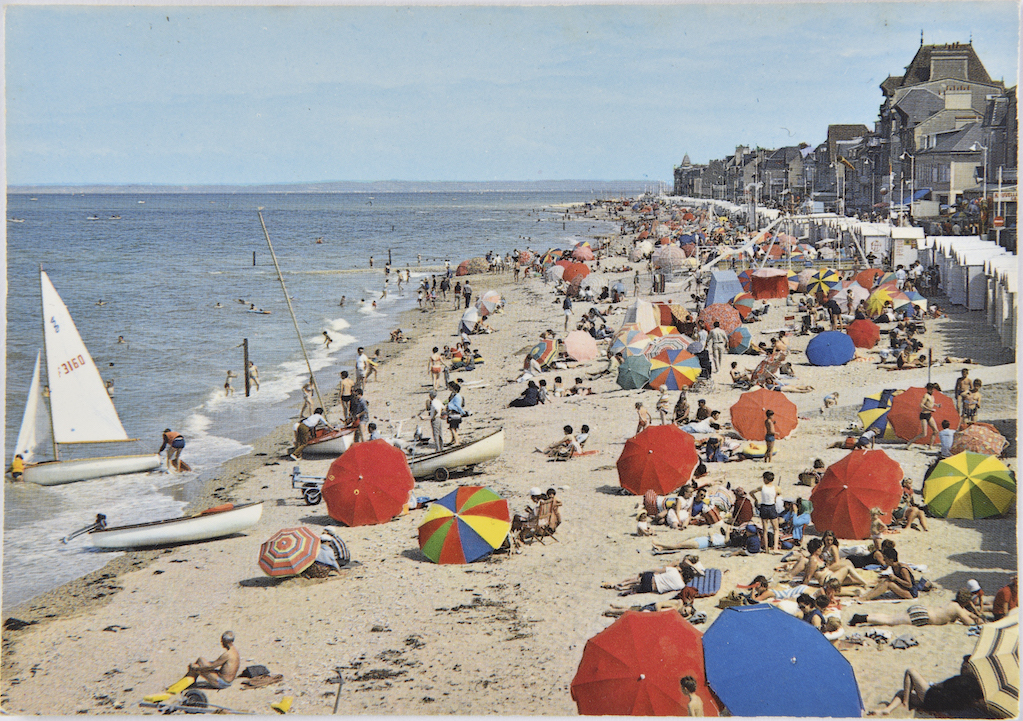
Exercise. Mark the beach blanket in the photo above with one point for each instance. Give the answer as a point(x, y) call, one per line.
point(708, 584)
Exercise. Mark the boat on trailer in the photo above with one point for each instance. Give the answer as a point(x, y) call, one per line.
point(216, 522)
point(465, 455)
point(80, 409)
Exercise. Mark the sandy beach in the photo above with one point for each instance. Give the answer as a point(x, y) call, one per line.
point(503, 635)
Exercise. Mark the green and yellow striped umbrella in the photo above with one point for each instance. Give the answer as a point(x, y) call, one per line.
point(970, 485)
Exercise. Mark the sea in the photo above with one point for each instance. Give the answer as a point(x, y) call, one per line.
point(160, 286)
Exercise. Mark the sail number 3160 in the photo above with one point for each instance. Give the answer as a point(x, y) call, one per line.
point(64, 368)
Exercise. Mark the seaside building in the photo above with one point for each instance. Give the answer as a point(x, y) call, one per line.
point(943, 153)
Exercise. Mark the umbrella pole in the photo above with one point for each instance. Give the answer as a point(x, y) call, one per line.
point(340, 682)
point(291, 310)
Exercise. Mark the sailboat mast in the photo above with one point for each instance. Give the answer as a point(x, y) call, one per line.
point(46, 395)
point(291, 310)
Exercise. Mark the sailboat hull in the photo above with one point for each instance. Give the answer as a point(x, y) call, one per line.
point(55, 473)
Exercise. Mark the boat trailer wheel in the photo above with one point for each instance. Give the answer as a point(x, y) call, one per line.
point(441, 474)
point(194, 697)
point(312, 496)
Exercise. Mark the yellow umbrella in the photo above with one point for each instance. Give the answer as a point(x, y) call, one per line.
point(995, 663)
point(877, 300)
point(970, 485)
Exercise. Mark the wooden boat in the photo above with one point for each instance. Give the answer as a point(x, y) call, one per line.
point(80, 409)
point(331, 443)
point(466, 455)
point(212, 523)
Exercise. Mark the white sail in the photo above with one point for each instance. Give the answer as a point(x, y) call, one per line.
point(27, 435)
point(81, 410)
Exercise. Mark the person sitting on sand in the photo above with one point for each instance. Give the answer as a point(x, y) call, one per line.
point(681, 413)
point(947, 698)
point(961, 609)
point(739, 378)
point(565, 447)
point(900, 583)
point(219, 673)
point(578, 389)
point(811, 477)
point(529, 397)
point(1006, 599)
point(397, 336)
point(908, 512)
point(694, 704)
point(816, 568)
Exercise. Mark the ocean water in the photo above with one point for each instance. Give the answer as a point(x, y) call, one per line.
point(160, 263)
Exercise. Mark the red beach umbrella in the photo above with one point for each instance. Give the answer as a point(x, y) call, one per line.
point(850, 488)
point(864, 333)
point(368, 484)
point(979, 438)
point(905, 413)
point(724, 314)
point(633, 668)
point(575, 270)
point(866, 277)
point(750, 411)
point(289, 551)
point(658, 458)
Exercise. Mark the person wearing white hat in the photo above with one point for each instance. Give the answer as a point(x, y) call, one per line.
point(976, 593)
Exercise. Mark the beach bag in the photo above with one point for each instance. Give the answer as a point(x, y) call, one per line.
point(732, 598)
point(711, 516)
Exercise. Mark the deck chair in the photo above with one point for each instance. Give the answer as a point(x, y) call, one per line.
point(541, 526)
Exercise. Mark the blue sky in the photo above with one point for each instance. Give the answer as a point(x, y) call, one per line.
point(250, 95)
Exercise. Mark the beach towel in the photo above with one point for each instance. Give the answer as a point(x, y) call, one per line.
point(708, 584)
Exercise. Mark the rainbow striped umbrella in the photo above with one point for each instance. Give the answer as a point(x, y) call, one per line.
point(631, 342)
point(544, 351)
point(970, 485)
point(740, 340)
point(676, 369)
point(743, 303)
point(488, 302)
point(662, 330)
point(289, 551)
point(888, 278)
point(675, 341)
point(464, 526)
point(824, 281)
point(899, 299)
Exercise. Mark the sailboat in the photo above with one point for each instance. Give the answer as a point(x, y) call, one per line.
point(80, 409)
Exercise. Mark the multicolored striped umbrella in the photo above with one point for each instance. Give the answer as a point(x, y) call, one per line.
point(488, 302)
point(289, 551)
point(899, 299)
point(676, 369)
point(675, 341)
point(970, 485)
point(793, 278)
point(544, 351)
point(823, 281)
point(916, 299)
point(979, 438)
point(995, 663)
point(464, 526)
point(746, 279)
point(887, 278)
point(739, 340)
point(629, 343)
point(662, 330)
point(874, 413)
point(743, 303)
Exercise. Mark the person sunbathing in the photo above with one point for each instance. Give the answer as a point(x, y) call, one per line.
point(663, 580)
point(958, 693)
point(219, 673)
point(899, 583)
point(816, 569)
point(683, 603)
point(960, 609)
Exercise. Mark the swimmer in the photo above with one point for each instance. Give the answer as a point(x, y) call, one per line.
point(342, 303)
point(217, 305)
point(120, 339)
point(327, 340)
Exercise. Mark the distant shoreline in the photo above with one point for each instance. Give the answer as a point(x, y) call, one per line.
point(621, 187)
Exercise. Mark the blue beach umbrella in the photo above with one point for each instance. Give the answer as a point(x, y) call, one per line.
point(830, 348)
point(761, 661)
point(634, 372)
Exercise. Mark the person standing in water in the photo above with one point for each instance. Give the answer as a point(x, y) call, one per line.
point(228, 389)
point(327, 340)
point(174, 443)
point(254, 375)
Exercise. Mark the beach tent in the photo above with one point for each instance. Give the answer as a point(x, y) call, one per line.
point(769, 283)
point(724, 285)
point(830, 348)
point(658, 458)
point(743, 641)
point(633, 666)
point(851, 487)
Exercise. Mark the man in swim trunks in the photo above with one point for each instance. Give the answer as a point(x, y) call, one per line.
point(174, 443)
point(961, 609)
point(221, 671)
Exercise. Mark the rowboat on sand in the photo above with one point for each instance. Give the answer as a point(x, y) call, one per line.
point(332, 442)
point(215, 522)
point(466, 455)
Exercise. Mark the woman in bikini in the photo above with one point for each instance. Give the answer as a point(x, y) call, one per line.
point(435, 366)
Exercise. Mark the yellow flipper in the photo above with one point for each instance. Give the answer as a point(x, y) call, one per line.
point(283, 705)
point(181, 685)
point(157, 697)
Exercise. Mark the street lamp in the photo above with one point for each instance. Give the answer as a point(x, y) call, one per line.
point(912, 178)
point(975, 147)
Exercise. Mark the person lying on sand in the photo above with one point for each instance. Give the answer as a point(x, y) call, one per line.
point(683, 603)
point(961, 609)
point(664, 580)
point(955, 694)
point(219, 673)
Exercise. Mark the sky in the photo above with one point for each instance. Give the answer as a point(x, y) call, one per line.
point(192, 95)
